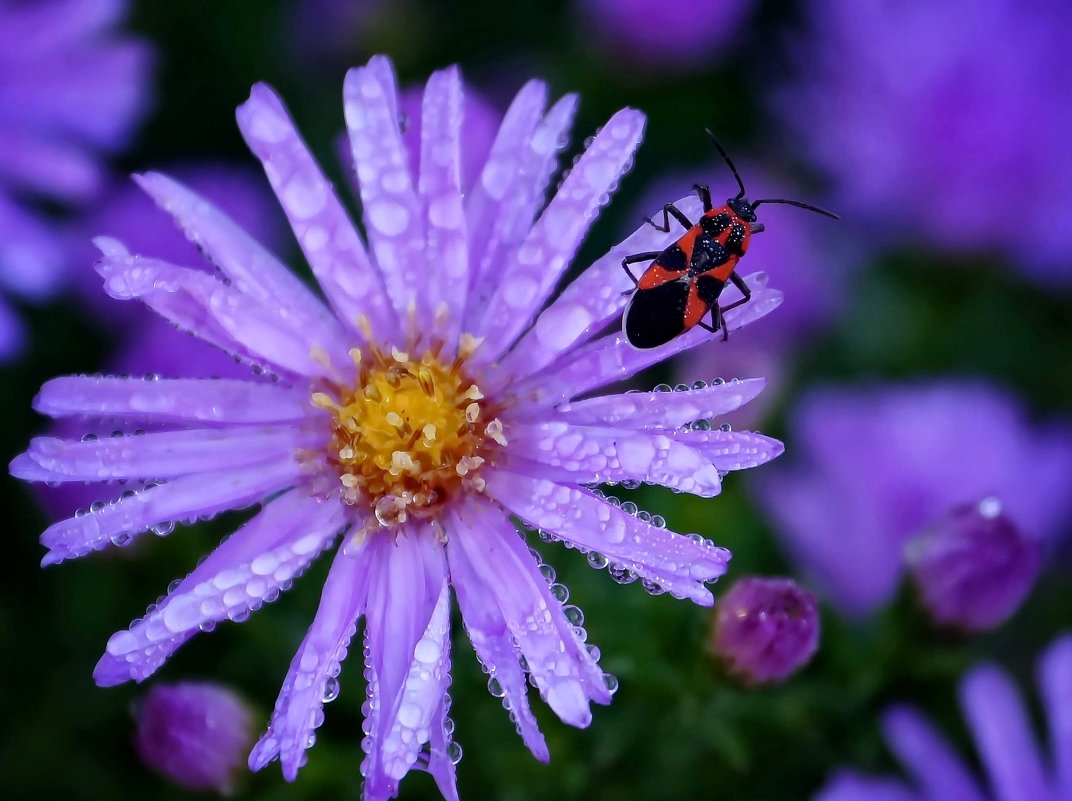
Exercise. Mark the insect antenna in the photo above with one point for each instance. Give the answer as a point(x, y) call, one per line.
point(798, 204)
point(729, 161)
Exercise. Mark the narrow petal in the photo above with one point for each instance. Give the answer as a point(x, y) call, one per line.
point(246, 570)
point(925, 754)
point(311, 680)
point(215, 312)
point(533, 165)
point(328, 238)
point(442, 754)
point(594, 299)
point(677, 563)
point(1055, 683)
point(391, 208)
point(490, 635)
point(664, 409)
point(403, 634)
point(849, 786)
point(163, 455)
point(441, 295)
point(1003, 736)
point(565, 674)
point(594, 455)
point(732, 450)
point(547, 251)
point(163, 505)
point(163, 400)
point(249, 266)
point(611, 358)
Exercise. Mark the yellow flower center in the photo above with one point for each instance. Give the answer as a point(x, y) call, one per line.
point(411, 433)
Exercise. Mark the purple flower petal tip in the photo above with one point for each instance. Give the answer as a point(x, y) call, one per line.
point(766, 629)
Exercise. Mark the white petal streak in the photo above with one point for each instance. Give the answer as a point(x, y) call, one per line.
point(664, 409)
point(326, 235)
point(446, 281)
point(593, 455)
point(676, 563)
point(531, 276)
point(589, 303)
point(392, 212)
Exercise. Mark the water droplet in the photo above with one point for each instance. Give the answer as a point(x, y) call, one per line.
point(331, 690)
point(700, 425)
point(718, 382)
point(699, 385)
point(573, 614)
point(610, 682)
point(629, 508)
point(663, 388)
point(622, 575)
point(454, 753)
point(207, 625)
point(548, 573)
point(559, 592)
point(89, 437)
point(681, 388)
point(597, 560)
point(495, 687)
point(163, 529)
point(725, 428)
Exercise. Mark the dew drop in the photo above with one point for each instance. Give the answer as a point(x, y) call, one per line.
point(331, 690)
point(597, 560)
point(495, 687)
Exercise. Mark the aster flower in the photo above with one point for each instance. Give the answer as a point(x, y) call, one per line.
point(195, 733)
point(880, 466)
point(1000, 724)
point(70, 88)
point(403, 428)
point(938, 154)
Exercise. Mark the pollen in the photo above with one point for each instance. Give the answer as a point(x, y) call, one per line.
point(410, 434)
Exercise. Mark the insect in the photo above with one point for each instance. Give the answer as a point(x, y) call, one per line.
point(684, 282)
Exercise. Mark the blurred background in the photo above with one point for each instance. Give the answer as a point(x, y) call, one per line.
point(918, 370)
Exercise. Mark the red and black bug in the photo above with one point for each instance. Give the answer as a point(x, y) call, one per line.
point(683, 283)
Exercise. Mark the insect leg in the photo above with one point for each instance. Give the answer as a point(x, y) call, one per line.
point(705, 196)
point(758, 228)
point(668, 210)
point(637, 257)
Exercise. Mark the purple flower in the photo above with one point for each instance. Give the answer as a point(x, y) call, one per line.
point(937, 121)
point(70, 88)
point(403, 427)
point(663, 36)
point(878, 466)
point(1016, 769)
point(974, 567)
point(194, 733)
point(766, 629)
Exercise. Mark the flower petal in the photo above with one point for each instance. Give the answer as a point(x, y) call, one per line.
point(732, 450)
point(1003, 735)
point(1055, 683)
point(407, 670)
point(664, 409)
point(391, 208)
point(594, 455)
point(247, 569)
point(213, 311)
point(593, 300)
point(611, 358)
point(328, 238)
point(174, 400)
point(162, 505)
point(441, 295)
point(522, 196)
point(674, 562)
point(543, 257)
point(936, 768)
point(162, 455)
point(488, 632)
point(311, 682)
point(851, 786)
point(565, 674)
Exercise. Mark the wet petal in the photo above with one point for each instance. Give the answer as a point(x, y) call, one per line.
point(672, 561)
point(595, 455)
point(1055, 683)
point(924, 753)
point(247, 569)
point(161, 455)
point(326, 235)
point(594, 299)
point(175, 400)
point(391, 208)
point(565, 674)
point(311, 681)
point(664, 409)
point(546, 253)
point(182, 499)
point(732, 450)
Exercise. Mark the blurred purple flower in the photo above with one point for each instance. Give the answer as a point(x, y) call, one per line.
point(70, 88)
point(877, 466)
point(1000, 724)
point(944, 124)
point(666, 36)
point(766, 629)
point(195, 733)
point(973, 567)
point(405, 425)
